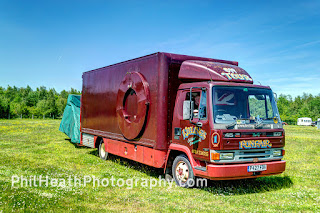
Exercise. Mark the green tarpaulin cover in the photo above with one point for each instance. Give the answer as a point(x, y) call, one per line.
point(70, 123)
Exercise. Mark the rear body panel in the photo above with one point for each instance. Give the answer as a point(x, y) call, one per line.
point(100, 90)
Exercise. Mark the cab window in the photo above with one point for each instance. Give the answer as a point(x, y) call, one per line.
point(199, 100)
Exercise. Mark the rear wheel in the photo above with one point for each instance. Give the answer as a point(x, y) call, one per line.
point(102, 151)
point(182, 172)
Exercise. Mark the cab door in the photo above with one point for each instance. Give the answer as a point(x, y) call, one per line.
point(194, 132)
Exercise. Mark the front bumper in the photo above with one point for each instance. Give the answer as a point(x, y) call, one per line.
point(240, 171)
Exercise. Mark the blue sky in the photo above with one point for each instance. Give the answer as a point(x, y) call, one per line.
point(52, 43)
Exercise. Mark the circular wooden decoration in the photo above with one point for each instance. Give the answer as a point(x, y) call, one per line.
point(133, 105)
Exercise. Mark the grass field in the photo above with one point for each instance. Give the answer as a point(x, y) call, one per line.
point(36, 147)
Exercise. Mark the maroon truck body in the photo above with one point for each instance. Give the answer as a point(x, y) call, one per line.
point(135, 109)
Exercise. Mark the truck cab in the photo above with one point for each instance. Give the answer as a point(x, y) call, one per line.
point(229, 127)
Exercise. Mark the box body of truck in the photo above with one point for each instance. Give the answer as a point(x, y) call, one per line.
point(99, 115)
point(135, 109)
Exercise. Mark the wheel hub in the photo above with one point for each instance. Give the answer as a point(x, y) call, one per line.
point(102, 150)
point(182, 171)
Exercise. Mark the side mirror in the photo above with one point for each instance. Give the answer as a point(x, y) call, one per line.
point(275, 96)
point(187, 110)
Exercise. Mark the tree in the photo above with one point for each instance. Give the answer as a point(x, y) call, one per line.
point(32, 99)
point(51, 103)
point(4, 107)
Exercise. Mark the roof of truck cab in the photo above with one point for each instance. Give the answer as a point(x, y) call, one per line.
point(214, 71)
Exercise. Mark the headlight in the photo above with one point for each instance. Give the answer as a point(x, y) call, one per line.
point(215, 156)
point(226, 156)
point(276, 152)
point(277, 134)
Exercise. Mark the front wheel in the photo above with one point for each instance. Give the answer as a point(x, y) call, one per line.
point(182, 172)
point(102, 151)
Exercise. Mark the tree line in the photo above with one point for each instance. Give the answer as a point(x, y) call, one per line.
point(291, 109)
point(28, 103)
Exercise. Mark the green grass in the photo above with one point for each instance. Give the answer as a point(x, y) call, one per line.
point(36, 147)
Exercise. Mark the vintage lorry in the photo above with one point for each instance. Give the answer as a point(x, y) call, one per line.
point(191, 116)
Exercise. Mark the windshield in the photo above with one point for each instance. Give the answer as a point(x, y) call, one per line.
point(244, 107)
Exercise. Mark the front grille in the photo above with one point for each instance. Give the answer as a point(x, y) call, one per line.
point(247, 156)
point(251, 134)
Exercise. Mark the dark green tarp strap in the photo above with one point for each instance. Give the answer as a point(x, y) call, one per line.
point(70, 123)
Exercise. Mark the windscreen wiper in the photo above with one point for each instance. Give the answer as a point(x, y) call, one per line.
point(236, 122)
point(258, 125)
point(232, 124)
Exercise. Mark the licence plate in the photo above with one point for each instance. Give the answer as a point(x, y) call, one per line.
point(257, 168)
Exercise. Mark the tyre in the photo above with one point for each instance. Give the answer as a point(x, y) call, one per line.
point(102, 151)
point(182, 172)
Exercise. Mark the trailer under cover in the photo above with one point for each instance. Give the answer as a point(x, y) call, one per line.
point(70, 123)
